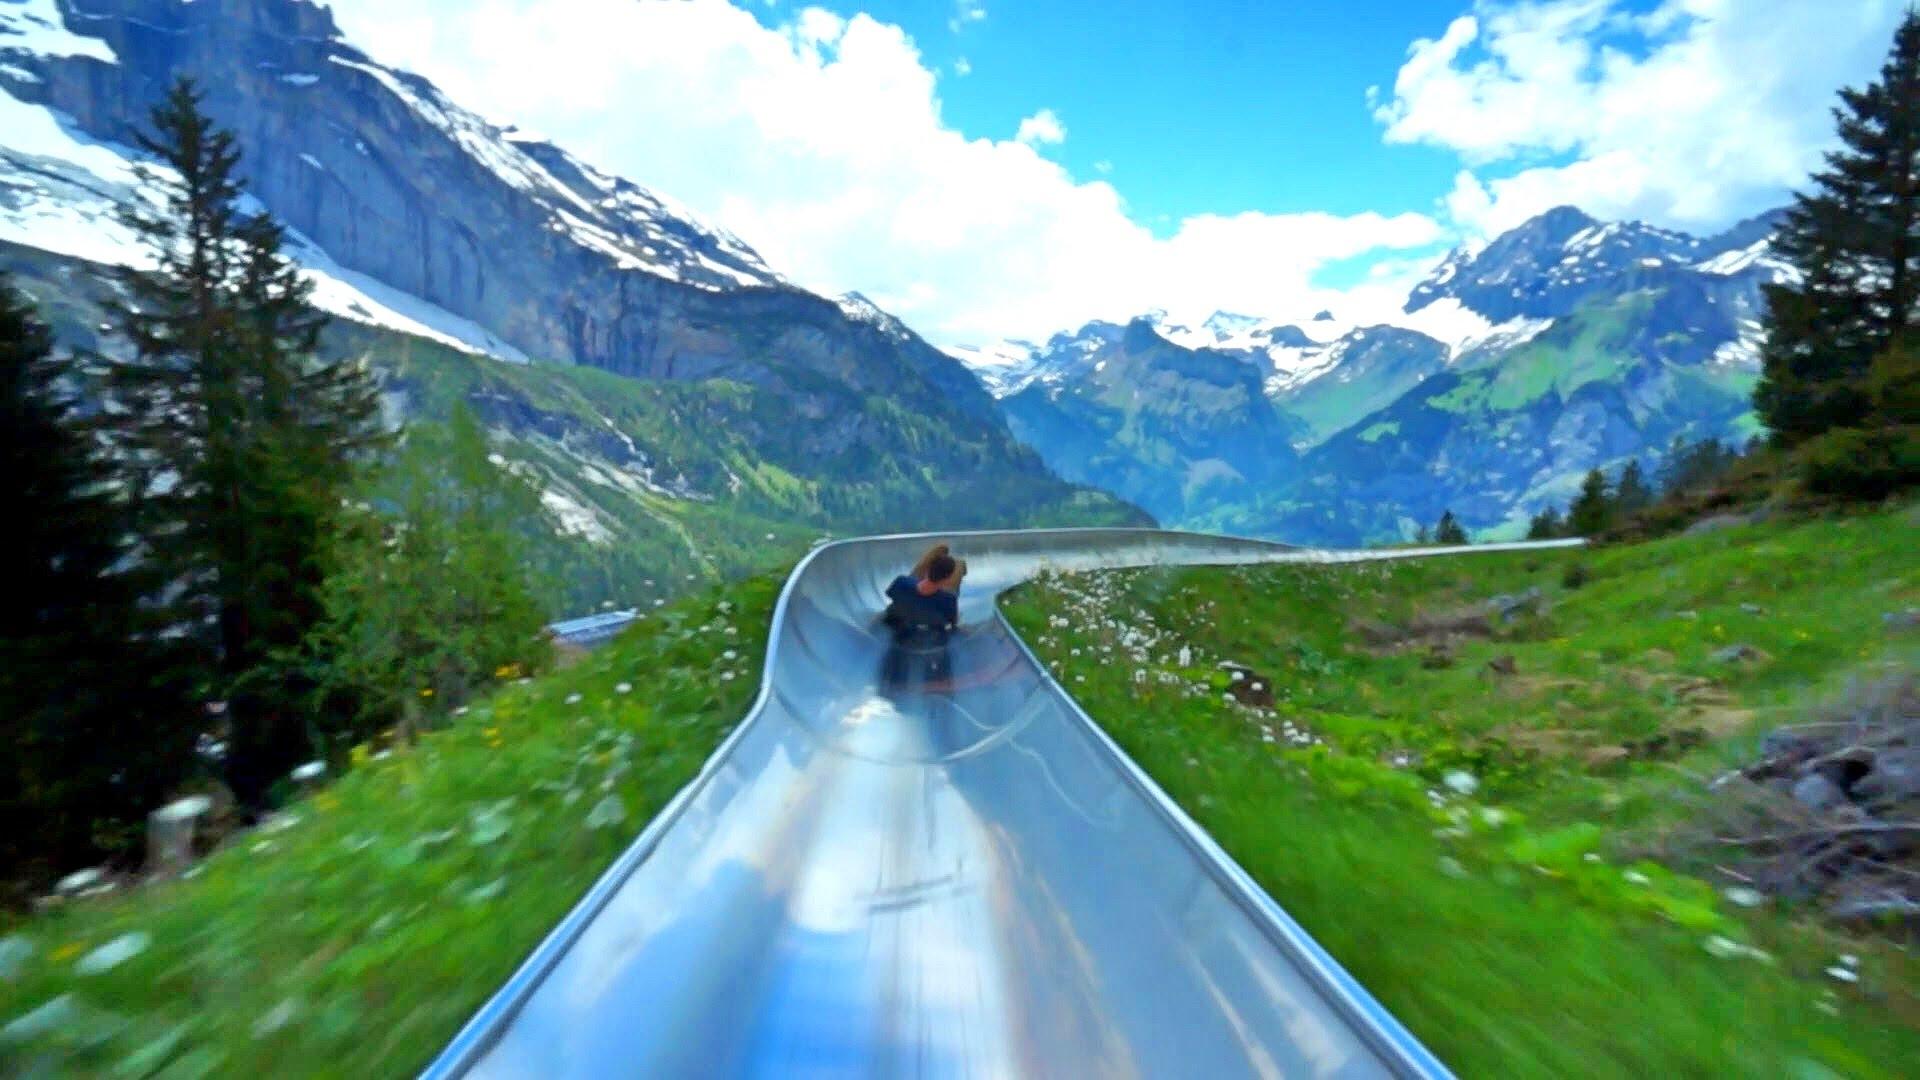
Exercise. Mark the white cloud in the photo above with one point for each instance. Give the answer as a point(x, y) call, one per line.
point(1042, 129)
point(822, 144)
point(1103, 167)
point(818, 26)
point(966, 12)
point(962, 67)
point(1694, 114)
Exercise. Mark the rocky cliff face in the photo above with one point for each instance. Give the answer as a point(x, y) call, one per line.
point(742, 414)
point(392, 180)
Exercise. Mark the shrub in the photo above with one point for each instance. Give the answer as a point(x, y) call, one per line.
point(430, 602)
point(1853, 463)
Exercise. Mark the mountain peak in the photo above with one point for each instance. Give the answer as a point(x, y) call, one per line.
point(1545, 266)
point(1560, 222)
point(1229, 322)
point(1141, 333)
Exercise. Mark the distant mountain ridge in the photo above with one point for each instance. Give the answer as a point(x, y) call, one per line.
point(1565, 344)
point(1174, 427)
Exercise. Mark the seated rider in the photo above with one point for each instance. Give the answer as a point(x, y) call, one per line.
point(923, 609)
point(925, 604)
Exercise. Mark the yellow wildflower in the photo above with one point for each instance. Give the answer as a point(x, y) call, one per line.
point(68, 951)
point(427, 692)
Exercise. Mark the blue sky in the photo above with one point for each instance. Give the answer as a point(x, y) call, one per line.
point(1096, 160)
point(1210, 106)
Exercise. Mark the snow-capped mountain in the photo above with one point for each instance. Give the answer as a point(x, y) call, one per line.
point(1002, 368)
point(1545, 267)
point(409, 211)
point(753, 409)
point(1512, 369)
point(408, 207)
point(1175, 426)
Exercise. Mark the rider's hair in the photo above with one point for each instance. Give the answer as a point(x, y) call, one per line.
point(923, 568)
point(940, 568)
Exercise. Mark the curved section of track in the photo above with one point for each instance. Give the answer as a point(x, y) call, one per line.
point(877, 876)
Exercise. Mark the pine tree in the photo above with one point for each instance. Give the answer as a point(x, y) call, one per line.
point(1546, 525)
point(1693, 466)
point(1592, 510)
point(1632, 495)
point(95, 726)
point(238, 441)
point(1856, 242)
point(1448, 531)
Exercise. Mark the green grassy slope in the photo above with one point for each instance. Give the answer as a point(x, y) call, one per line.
point(1516, 930)
point(357, 940)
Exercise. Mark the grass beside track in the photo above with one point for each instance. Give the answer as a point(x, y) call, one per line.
point(1513, 928)
point(356, 941)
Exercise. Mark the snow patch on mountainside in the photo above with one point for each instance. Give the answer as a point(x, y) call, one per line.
point(1744, 350)
point(1758, 255)
point(1002, 367)
point(1296, 367)
point(574, 519)
point(635, 228)
point(35, 26)
point(1463, 330)
point(862, 310)
point(61, 192)
point(353, 295)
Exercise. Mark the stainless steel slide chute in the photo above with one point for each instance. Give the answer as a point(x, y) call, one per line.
point(949, 871)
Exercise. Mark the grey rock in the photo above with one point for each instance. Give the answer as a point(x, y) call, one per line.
point(1753, 609)
point(1892, 844)
point(1505, 607)
point(1894, 777)
point(80, 880)
point(1716, 523)
point(1901, 621)
point(1815, 792)
point(1733, 654)
point(1878, 907)
point(170, 832)
point(1785, 743)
